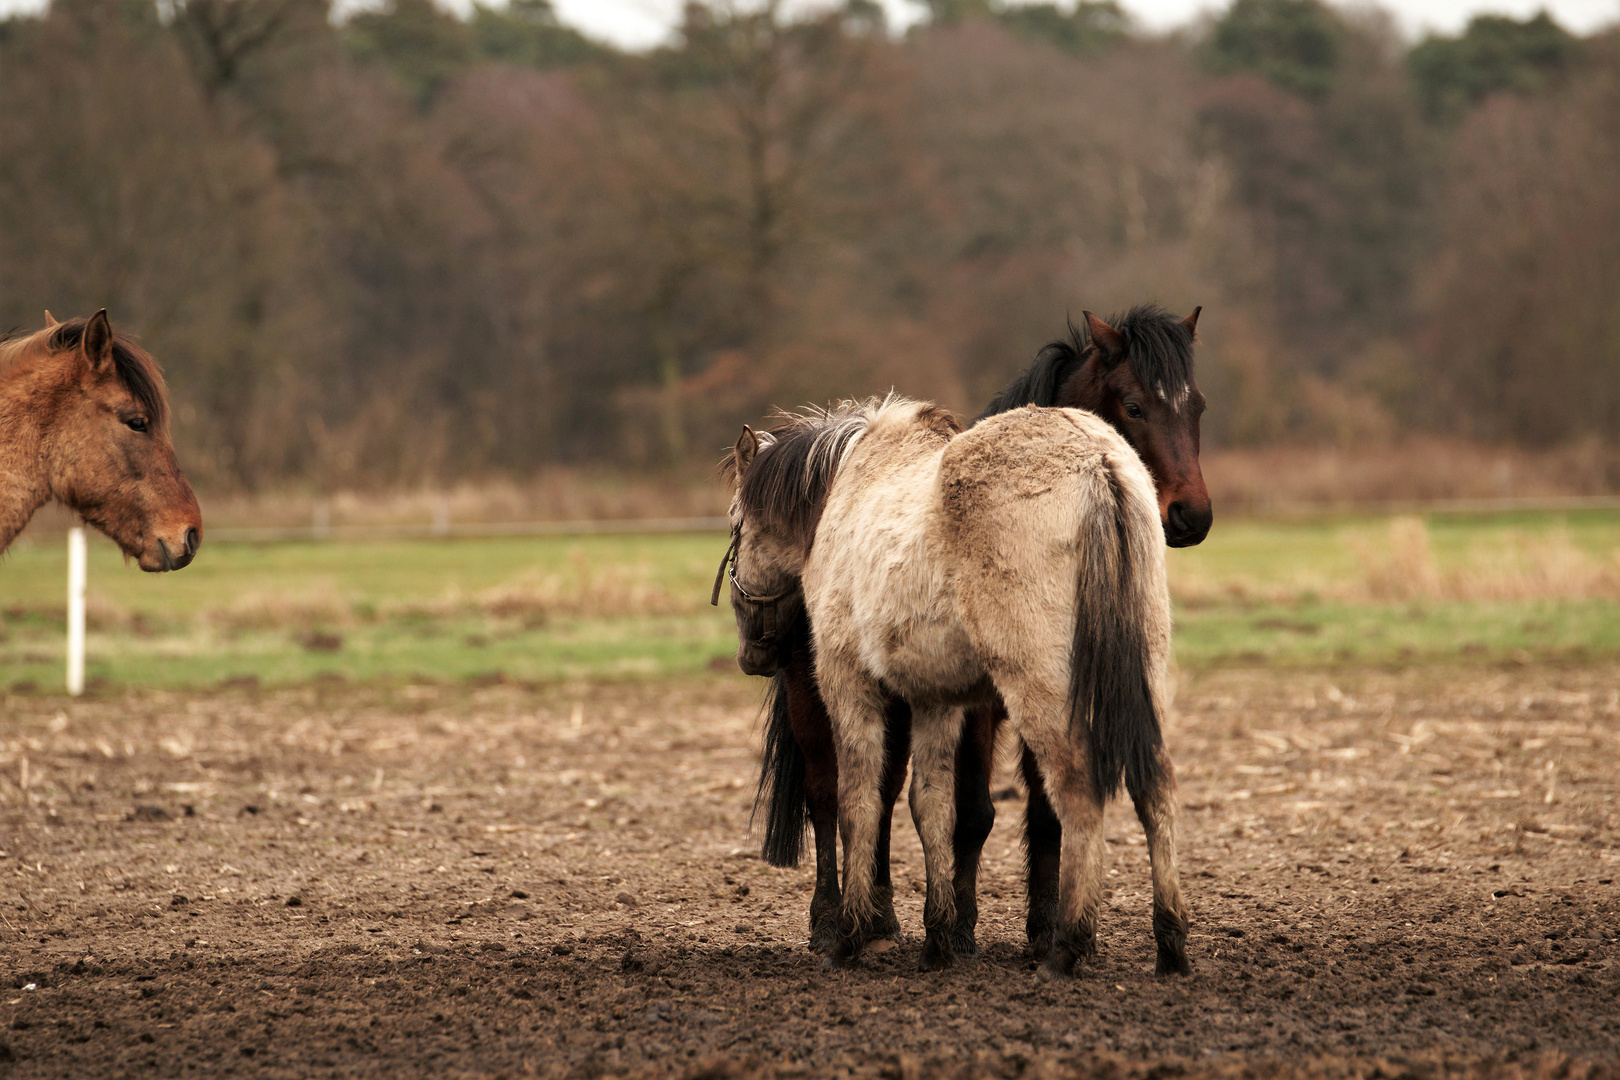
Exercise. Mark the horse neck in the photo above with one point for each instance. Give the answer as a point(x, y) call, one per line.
point(26, 390)
point(1083, 389)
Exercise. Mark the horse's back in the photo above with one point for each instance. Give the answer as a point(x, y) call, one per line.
point(1017, 491)
point(1030, 475)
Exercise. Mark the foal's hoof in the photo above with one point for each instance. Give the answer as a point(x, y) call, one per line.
point(824, 937)
point(846, 951)
point(1062, 962)
point(937, 953)
point(1170, 934)
point(1055, 970)
point(964, 943)
point(1172, 963)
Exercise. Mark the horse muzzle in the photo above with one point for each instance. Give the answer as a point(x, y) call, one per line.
point(755, 660)
point(1186, 524)
point(172, 552)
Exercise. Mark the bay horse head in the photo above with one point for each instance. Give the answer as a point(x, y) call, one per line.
point(781, 478)
point(1136, 372)
point(84, 419)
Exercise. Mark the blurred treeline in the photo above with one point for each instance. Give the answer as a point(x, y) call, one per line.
point(409, 247)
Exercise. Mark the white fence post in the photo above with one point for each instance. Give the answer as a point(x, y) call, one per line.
point(75, 641)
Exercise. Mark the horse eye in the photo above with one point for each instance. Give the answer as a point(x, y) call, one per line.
point(136, 423)
point(1133, 410)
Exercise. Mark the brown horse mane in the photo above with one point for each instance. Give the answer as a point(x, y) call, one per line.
point(136, 369)
point(787, 481)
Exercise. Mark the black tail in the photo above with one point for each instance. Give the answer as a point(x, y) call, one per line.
point(781, 782)
point(1109, 694)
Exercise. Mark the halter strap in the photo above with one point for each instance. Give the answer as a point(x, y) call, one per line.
point(766, 604)
point(751, 598)
point(725, 561)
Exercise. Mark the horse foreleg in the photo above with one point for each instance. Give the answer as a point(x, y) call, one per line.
point(896, 753)
point(812, 730)
point(975, 815)
point(1157, 812)
point(934, 737)
point(1043, 846)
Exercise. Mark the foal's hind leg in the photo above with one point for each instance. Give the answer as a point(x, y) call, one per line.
point(975, 815)
point(934, 736)
point(1041, 719)
point(1157, 812)
point(1043, 846)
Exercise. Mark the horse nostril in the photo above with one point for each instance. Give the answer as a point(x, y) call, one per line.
point(1186, 524)
point(193, 541)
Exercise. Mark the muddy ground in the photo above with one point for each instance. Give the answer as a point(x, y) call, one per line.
point(1388, 873)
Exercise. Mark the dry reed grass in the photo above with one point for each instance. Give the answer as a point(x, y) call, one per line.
point(553, 495)
point(1411, 470)
point(532, 598)
point(1402, 566)
point(1548, 566)
point(599, 592)
point(275, 610)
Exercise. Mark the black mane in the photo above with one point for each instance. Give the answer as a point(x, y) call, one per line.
point(786, 483)
point(1157, 346)
point(136, 369)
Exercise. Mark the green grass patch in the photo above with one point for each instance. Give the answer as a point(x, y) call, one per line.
point(1363, 590)
point(526, 609)
point(1315, 634)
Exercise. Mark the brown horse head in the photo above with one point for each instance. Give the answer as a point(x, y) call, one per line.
point(1137, 374)
point(94, 406)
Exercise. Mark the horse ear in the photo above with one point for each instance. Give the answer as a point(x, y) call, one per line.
point(1105, 337)
point(50, 321)
point(98, 341)
point(747, 447)
point(1191, 321)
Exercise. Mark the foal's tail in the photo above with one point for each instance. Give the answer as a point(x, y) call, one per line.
point(1110, 696)
point(781, 790)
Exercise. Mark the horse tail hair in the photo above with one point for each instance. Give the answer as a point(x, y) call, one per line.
point(781, 792)
point(1110, 690)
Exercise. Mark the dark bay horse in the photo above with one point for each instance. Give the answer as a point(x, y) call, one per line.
point(84, 419)
point(1136, 373)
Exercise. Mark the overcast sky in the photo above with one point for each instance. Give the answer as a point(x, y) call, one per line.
point(638, 24)
point(641, 23)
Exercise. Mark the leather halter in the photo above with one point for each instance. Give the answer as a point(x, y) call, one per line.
point(766, 604)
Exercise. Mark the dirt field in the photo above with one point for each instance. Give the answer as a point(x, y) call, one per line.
point(1389, 873)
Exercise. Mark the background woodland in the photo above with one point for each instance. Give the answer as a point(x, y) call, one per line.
point(409, 248)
